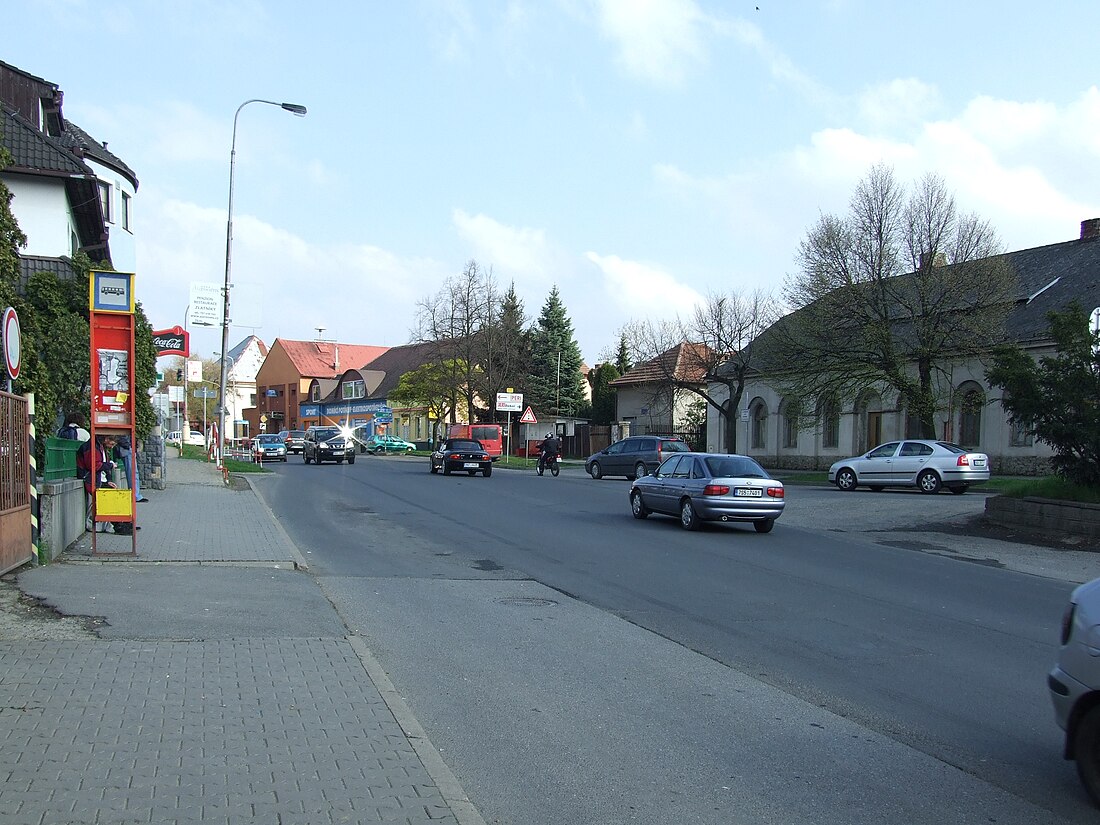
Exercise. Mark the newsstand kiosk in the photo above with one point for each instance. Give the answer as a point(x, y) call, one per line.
point(111, 323)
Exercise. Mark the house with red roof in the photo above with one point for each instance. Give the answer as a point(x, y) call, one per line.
point(655, 396)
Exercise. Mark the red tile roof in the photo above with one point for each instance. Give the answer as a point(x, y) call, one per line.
point(328, 359)
point(686, 362)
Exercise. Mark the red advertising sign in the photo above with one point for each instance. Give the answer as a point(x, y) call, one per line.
point(174, 341)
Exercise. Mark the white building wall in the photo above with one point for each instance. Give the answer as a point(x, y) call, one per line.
point(42, 210)
point(242, 381)
point(123, 246)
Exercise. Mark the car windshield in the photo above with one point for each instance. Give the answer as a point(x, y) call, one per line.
point(325, 433)
point(734, 467)
point(460, 444)
point(269, 439)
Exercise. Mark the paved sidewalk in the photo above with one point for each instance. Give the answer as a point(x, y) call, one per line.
point(221, 687)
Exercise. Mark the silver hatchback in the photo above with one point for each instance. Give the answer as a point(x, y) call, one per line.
point(913, 462)
point(700, 487)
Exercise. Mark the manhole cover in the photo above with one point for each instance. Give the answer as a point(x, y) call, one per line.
point(527, 601)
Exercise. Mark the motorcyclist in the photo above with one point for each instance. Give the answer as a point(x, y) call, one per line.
point(549, 448)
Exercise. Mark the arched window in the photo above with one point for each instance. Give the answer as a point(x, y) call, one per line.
point(791, 411)
point(829, 412)
point(759, 413)
point(971, 404)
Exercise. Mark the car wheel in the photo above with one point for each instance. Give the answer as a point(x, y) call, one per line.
point(959, 489)
point(928, 482)
point(636, 507)
point(432, 468)
point(639, 469)
point(488, 471)
point(1086, 752)
point(305, 457)
point(764, 526)
point(846, 480)
point(351, 458)
point(596, 471)
point(877, 488)
point(689, 519)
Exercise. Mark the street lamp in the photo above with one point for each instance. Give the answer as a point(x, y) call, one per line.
point(295, 109)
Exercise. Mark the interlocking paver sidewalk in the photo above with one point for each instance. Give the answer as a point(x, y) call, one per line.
point(220, 693)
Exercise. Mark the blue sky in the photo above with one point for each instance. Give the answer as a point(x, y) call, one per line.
point(636, 154)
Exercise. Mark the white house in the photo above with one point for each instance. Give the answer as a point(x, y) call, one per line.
point(775, 431)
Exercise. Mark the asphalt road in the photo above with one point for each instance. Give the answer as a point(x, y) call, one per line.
point(577, 665)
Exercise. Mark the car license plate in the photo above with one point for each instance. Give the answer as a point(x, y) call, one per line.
point(470, 465)
point(751, 492)
point(979, 462)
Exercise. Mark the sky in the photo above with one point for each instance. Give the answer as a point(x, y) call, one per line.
point(637, 154)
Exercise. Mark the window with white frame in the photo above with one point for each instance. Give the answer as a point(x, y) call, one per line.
point(315, 393)
point(105, 201)
point(126, 212)
point(350, 390)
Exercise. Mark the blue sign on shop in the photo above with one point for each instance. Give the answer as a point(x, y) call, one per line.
point(344, 409)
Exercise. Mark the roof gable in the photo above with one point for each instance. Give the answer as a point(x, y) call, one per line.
point(326, 359)
point(684, 362)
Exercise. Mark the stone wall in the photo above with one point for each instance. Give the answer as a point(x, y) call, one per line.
point(150, 463)
point(1070, 520)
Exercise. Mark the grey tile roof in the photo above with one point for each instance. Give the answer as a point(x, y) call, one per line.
point(79, 141)
point(31, 264)
point(34, 151)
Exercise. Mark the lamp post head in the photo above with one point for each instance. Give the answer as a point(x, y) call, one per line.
point(295, 108)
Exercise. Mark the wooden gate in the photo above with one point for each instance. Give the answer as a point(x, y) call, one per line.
point(15, 496)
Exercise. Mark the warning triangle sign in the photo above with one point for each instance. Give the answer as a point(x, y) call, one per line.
point(528, 417)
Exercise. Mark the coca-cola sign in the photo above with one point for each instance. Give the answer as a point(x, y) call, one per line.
point(172, 341)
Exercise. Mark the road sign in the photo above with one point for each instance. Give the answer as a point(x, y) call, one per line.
point(509, 401)
point(528, 417)
point(12, 344)
point(205, 393)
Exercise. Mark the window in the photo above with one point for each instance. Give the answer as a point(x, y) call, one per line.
point(126, 212)
point(759, 425)
point(830, 423)
point(105, 201)
point(1020, 436)
point(970, 418)
point(914, 448)
point(351, 390)
point(791, 414)
point(315, 393)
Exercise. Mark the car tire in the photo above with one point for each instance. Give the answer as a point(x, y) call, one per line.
point(596, 471)
point(846, 480)
point(764, 526)
point(689, 519)
point(639, 469)
point(959, 489)
point(1086, 752)
point(488, 471)
point(928, 482)
point(305, 457)
point(351, 458)
point(636, 507)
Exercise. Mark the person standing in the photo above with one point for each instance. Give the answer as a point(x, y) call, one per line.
point(74, 429)
point(94, 466)
point(125, 453)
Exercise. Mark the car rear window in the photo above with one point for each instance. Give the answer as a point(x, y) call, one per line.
point(465, 445)
point(951, 448)
point(735, 467)
point(674, 446)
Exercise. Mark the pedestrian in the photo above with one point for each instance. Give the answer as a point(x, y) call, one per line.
point(94, 466)
point(124, 452)
point(73, 428)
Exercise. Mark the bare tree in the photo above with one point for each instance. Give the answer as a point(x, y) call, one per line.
point(891, 296)
point(710, 348)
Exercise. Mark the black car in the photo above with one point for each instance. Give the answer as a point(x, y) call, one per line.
point(634, 457)
point(295, 440)
point(327, 444)
point(461, 455)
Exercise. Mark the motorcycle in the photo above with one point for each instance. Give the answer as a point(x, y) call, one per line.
point(551, 460)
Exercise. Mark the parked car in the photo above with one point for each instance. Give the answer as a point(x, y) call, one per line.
point(633, 457)
point(174, 438)
point(381, 444)
point(461, 455)
point(327, 444)
point(194, 438)
point(269, 447)
point(925, 464)
point(295, 440)
point(1075, 684)
point(700, 487)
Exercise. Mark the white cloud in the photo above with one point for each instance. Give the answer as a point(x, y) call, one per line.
point(898, 105)
point(517, 252)
point(642, 290)
point(657, 39)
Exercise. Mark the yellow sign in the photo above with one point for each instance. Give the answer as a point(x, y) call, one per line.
point(110, 502)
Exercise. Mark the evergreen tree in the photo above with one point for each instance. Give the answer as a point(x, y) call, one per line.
point(604, 395)
point(622, 358)
point(556, 383)
point(507, 346)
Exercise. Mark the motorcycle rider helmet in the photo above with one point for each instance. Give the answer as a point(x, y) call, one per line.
point(549, 435)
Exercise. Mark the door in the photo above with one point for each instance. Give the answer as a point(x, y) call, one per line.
point(911, 459)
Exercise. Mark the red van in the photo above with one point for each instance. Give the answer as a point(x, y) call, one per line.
point(491, 436)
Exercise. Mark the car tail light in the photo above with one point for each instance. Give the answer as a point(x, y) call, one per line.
point(1067, 623)
point(962, 461)
point(716, 490)
point(775, 492)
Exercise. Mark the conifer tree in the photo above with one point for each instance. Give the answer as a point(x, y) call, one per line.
point(556, 382)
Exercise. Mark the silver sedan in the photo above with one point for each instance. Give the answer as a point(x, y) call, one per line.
point(698, 487)
point(925, 464)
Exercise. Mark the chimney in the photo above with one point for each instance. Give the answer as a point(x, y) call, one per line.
point(1090, 229)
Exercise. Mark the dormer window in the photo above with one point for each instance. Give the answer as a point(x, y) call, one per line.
point(315, 393)
point(350, 390)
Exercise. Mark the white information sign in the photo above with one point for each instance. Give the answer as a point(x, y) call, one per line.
point(206, 304)
point(194, 371)
point(509, 401)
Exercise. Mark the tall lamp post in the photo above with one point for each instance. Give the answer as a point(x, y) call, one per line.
point(295, 109)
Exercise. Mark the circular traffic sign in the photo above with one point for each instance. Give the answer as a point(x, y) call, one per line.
point(10, 331)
